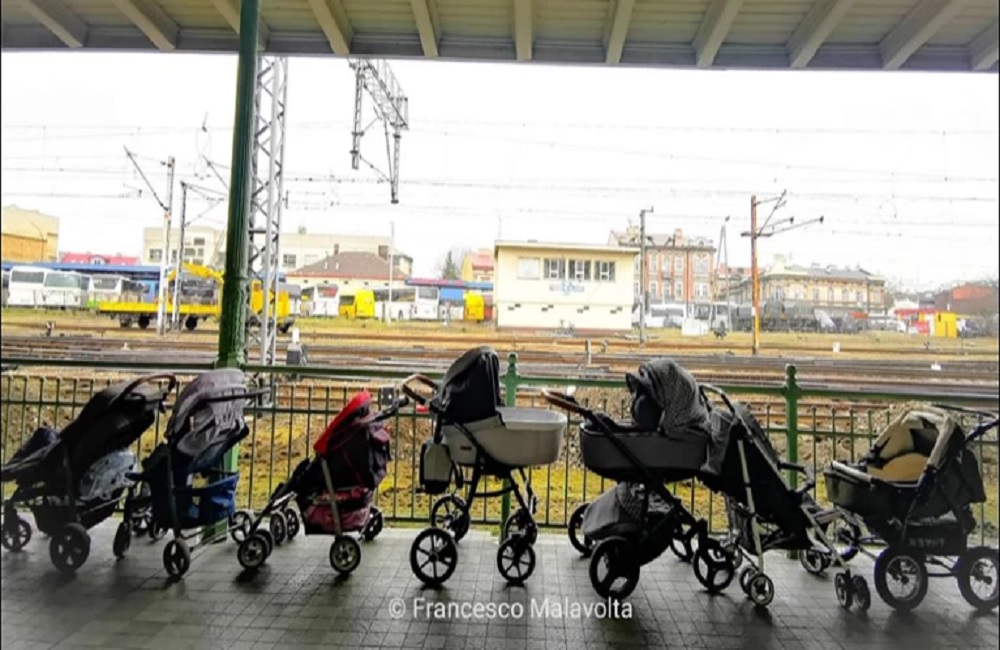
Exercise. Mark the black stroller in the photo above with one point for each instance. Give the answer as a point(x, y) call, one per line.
point(667, 440)
point(333, 491)
point(74, 479)
point(206, 422)
point(915, 491)
point(474, 433)
point(766, 514)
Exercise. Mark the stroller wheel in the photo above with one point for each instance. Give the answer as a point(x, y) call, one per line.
point(845, 590)
point(682, 543)
point(123, 540)
point(520, 523)
point(433, 556)
point(345, 554)
point(862, 594)
point(761, 590)
point(176, 558)
point(746, 575)
point(374, 525)
point(614, 572)
point(900, 579)
point(576, 537)
point(240, 523)
point(978, 578)
point(70, 547)
point(713, 566)
point(735, 552)
point(16, 533)
point(814, 561)
point(292, 519)
point(450, 513)
point(846, 536)
point(516, 559)
point(252, 552)
point(278, 526)
point(268, 538)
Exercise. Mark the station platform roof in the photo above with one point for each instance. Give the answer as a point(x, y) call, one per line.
point(947, 35)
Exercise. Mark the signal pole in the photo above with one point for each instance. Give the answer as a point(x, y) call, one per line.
point(642, 275)
point(179, 267)
point(392, 260)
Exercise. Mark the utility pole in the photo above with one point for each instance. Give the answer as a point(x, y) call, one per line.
point(766, 230)
point(167, 207)
point(176, 317)
point(392, 260)
point(642, 275)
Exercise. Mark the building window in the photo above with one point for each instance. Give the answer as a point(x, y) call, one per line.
point(311, 259)
point(555, 268)
point(701, 290)
point(679, 290)
point(701, 264)
point(665, 264)
point(605, 271)
point(635, 288)
point(654, 289)
point(529, 268)
point(155, 255)
point(679, 264)
point(199, 241)
point(845, 295)
point(638, 263)
point(189, 252)
point(861, 297)
point(173, 256)
point(666, 291)
point(829, 295)
point(579, 270)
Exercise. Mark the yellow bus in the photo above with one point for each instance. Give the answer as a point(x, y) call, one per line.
point(358, 305)
point(475, 307)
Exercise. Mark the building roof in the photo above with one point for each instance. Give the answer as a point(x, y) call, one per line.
point(677, 240)
point(96, 259)
point(780, 270)
point(482, 260)
point(876, 34)
point(350, 265)
point(563, 246)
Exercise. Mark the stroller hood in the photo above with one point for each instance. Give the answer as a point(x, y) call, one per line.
point(209, 413)
point(470, 390)
point(665, 398)
point(358, 407)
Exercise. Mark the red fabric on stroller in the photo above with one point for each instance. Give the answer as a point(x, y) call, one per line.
point(354, 506)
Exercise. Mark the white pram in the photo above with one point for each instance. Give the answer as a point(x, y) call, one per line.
point(475, 437)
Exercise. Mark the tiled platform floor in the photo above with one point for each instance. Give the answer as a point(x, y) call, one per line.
point(296, 601)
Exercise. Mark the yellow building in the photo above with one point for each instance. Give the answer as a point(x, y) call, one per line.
point(28, 236)
point(549, 286)
point(835, 289)
point(478, 266)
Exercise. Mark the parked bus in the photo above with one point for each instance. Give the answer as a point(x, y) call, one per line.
point(358, 305)
point(6, 287)
point(716, 314)
point(409, 303)
point(114, 288)
point(322, 300)
point(25, 286)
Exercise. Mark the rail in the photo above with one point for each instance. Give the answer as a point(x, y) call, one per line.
point(809, 425)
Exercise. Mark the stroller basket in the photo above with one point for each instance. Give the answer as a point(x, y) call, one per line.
point(515, 437)
point(674, 456)
point(206, 505)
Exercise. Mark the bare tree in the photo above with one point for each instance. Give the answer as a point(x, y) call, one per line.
point(450, 266)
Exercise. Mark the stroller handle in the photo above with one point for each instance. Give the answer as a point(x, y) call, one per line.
point(982, 430)
point(566, 402)
point(708, 388)
point(146, 379)
point(413, 394)
point(394, 408)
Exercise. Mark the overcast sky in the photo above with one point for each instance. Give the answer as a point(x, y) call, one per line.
point(903, 166)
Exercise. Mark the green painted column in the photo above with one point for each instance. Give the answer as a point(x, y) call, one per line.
point(792, 395)
point(232, 328)
point(232, 325)
point(510, 382)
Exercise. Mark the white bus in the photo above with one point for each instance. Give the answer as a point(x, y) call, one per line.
point(65, 289)
point(25, 286)
point(409, 303)
point(322, 300)
point(114, 288)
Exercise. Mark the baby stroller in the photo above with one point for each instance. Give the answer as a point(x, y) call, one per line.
point(350, 462)
point(765, 513)
point(667, 440)
point(73, 480)
point(915, 490)
point(474, 433)
point(206, 422)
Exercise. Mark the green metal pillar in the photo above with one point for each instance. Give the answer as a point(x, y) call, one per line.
point(510, 382)
point(232, 328)
point(792, 394)
point(232, 325)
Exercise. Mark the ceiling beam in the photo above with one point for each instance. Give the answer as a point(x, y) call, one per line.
point(616, 29)
point(426, 27)
point(814, 29)
point(151, 21)
point(713, 29)
point(230, 10)
point(916, 29)
point(985, 48)
point(333, 21)
point(524, 36)
point(59, 20)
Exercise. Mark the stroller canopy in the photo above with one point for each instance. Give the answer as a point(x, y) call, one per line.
point(209, 412)
point(665, 398)
point(358, 407)
point(917, 439)
point(470, 390)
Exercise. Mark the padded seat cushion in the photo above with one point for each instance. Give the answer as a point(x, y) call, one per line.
point(906, 468)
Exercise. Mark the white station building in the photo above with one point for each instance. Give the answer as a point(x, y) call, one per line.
point(586, 287)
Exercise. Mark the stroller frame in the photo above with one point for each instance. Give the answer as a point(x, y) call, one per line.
point(898, 557)
point(450, 519)
point(69, 546)
point(256, 543)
